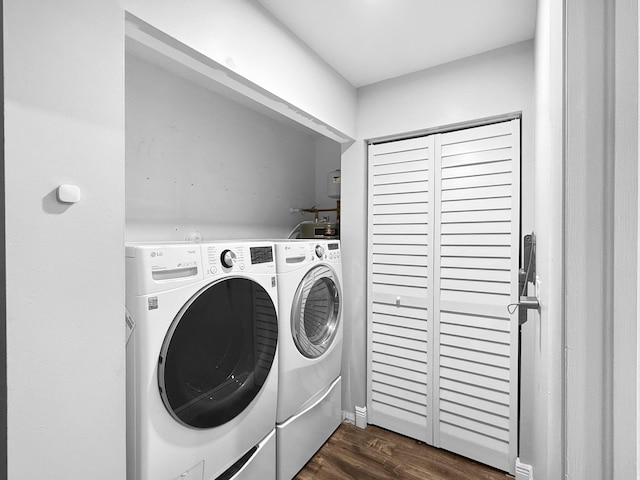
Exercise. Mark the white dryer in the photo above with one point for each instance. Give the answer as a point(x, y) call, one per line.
point(310, 348)
point(202, 363)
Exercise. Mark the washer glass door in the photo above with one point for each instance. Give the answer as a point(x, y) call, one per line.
point(315, 313)
point(218, 353)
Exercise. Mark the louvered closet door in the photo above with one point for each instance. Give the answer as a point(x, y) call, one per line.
point(476, 271)
point(400, 285)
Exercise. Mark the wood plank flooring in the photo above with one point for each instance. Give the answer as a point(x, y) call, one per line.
point(353, 453)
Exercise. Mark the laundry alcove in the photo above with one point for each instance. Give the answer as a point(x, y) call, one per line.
point(209, 154)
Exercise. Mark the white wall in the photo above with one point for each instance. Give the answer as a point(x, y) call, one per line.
point(494, 83)
point(64, 123)
point(327, 160)
point(625, 405)
point(196, 160)
point(243, 37)
point(543, 446)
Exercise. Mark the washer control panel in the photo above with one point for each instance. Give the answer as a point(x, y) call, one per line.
point(151, 266)
point(225, 257)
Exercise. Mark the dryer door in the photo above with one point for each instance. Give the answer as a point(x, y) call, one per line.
point(218, 353)
point(315, 313)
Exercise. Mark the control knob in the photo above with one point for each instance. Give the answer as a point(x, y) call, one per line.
point(228, 258)
point(319, 251)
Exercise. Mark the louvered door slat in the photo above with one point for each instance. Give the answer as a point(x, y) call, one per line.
point(410, 177)
point(491, 191)
point(482, 358)
point(478, 227)
point(405, 335)
point(473, 238)
point(399, 219)
point(472, 170)
point(475, 274)
point(393, 209)
point(470, 158)
point(400, 259)
point(396, 371)
point(402, 228)
point(411, 165)
point(398, 321)
point(476, 181)
point(475, 367)
point(475, 204)
point(461, 399)
point(399, 187)
point(471, 134)
point(382, 361)
point(476, 279)
point(402, 198)
point(472, 146)
point(401, 311)
point(391, 259)
point(399, 269)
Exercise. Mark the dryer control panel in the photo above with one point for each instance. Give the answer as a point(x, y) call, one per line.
point(328, 251)
point(299, 254)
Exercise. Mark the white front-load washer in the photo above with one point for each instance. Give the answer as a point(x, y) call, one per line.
point(310, 348)
point(202, 361)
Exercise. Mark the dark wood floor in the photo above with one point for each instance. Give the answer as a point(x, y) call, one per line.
point(353, 453)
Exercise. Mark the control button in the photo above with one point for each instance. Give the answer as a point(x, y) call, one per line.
point(213, 270)
point(319, 251)
point(228, 258)
point(241, 266)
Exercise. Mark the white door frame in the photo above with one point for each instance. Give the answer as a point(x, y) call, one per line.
point(601, 239)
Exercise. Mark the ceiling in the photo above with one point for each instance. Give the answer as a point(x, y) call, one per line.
point(368, 41)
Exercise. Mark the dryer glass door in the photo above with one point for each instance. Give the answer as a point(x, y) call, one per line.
point(316, 312)
point(218, 353)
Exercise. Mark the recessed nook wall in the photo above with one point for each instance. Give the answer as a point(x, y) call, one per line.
point(196, 160)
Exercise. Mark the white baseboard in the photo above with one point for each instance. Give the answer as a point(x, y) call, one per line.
point(523, 471)
point(361, 417)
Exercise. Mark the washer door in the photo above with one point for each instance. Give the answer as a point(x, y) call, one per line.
point(316, 312)
point(218, 353)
